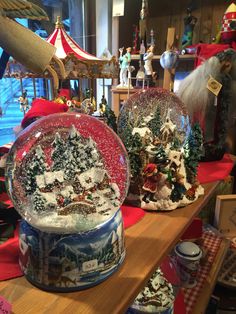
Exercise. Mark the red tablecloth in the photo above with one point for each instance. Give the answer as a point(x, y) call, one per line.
point(215, 170)
point(211, 243)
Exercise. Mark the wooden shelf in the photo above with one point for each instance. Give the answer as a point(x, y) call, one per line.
point(157, 57)
point(147, 243)
point(206, 291)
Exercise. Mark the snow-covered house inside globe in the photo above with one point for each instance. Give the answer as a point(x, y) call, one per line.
point(68, 188)
point(163, 150)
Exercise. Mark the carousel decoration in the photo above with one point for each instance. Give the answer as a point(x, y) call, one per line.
point(163, 150)
point(68, 189)
point(77, 62)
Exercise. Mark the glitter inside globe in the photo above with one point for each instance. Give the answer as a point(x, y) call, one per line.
point(67, 173)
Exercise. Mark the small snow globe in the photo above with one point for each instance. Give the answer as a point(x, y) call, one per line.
point(160, 292)
point(67, 175)
point(163, 150)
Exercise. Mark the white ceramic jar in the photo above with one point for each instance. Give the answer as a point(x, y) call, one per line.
point(188, 255)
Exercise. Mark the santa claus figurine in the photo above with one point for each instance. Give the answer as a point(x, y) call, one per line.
point(228, 29)
point(151, 179)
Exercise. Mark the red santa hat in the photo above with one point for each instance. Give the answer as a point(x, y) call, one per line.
point(206, 51)
point(149, 169)
point(42, 107)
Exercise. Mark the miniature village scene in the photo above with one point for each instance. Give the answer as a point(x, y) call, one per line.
point(157, 296)
point(163, 149)
point(62, 183)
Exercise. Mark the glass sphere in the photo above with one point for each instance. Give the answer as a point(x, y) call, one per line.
point(169, 59)
point(67, 173)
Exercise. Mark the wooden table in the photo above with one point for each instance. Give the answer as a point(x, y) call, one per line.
point(147, 243)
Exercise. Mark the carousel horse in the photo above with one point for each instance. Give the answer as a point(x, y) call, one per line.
point(209, 93)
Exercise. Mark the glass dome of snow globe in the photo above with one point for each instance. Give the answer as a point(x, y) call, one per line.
point(163, 150)
point(160, 292)
point(67, 175)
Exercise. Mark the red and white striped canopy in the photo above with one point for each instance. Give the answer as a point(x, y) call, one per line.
point(66, 45)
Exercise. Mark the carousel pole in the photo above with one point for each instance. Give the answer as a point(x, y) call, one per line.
point(21, 85)
point(34, 86)
point(103, 87)
point(46, 88)
point(80, 91)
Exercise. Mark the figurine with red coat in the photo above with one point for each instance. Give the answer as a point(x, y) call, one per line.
point(151, 179)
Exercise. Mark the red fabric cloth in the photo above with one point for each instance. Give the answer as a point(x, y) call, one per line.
point(131, 215)
point(64, 92)
point(9, 256)
point(206, 51)
point(215, 170)
point(42, 107)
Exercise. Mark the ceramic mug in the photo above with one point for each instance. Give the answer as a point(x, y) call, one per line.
point(188, 256)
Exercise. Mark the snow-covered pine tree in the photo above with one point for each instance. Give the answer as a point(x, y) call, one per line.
point(160, 155)
point(155, 123)
point(35, 166)
point(193, 152)
point(72, 153)
point(110, 118)
point(39, 201)
point(58, 153)
point(94, 158)
point(133, 145)
point(70, 167)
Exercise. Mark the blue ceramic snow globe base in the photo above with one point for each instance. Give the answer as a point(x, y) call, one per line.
point(69, 262)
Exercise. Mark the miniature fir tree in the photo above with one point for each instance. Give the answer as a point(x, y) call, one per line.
point(110, 118)
point(70, 167)
point(39, 201)
point(35, 166)
point(58, 153)
point(155, 123)
point(81, 154)
point(160, 155)
point(133, 145)
point(193, 152)
point(175, 144)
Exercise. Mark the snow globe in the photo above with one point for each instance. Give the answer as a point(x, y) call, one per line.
point(160, 292)
point(163, 150)
point(68, 187)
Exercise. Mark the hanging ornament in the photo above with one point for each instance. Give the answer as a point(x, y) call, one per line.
point(169, 59)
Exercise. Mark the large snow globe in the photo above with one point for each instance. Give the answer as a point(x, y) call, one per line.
point(163, 150)
point(67, 175)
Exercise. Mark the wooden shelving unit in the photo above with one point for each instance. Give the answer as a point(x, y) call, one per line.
point(147, 243)
point(157, 57)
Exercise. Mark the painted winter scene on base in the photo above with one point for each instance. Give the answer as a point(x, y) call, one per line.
point(62, 177)
point(163, 150)
point(65, 262)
